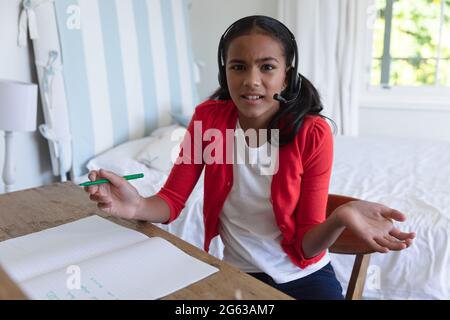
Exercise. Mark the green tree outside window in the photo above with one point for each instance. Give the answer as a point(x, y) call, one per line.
point(416, 51)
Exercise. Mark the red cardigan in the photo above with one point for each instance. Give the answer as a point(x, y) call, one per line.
point(299, 189)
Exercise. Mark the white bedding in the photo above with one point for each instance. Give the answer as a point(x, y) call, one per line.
point(413, 177)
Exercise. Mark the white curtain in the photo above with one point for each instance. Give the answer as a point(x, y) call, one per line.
point(331, 37)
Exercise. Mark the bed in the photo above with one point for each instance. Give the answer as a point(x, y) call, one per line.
point(115, 79)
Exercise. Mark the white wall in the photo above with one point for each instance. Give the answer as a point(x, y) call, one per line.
point(31, 151)
point(210, 18)
point(399, 122)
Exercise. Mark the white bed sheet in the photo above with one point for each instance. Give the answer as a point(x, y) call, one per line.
point(411, 176)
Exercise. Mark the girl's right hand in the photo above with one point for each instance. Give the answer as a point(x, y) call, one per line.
point(118, 197)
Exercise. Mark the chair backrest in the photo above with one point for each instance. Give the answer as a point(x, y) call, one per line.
point(348, 243)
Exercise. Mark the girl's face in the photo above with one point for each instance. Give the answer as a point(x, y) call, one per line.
point(255, 71)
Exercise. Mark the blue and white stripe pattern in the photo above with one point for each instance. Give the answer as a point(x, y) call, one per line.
point(126, 64)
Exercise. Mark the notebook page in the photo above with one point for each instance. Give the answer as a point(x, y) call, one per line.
point(146, 270)
point(37, 253)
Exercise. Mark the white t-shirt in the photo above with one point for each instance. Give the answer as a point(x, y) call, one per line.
point(248, 228)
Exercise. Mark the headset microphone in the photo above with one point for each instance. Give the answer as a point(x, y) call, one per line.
point(279, 98)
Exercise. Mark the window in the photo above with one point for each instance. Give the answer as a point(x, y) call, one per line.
point(411, 44)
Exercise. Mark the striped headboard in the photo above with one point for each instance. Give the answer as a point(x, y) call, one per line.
point(124, 65)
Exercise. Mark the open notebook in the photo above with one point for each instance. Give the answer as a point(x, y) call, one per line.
point(112, 262)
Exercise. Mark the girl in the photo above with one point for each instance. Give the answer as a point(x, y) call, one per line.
point(272, 224)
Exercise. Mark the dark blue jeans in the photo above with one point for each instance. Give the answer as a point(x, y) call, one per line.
point(320, 285)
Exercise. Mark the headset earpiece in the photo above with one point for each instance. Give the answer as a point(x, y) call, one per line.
point(292, 83)
point(222, 78)
point(221, 63)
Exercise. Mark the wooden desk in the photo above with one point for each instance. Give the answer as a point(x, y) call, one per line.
point(41, 208)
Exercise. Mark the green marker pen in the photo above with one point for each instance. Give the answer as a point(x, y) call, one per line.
point(101, 181)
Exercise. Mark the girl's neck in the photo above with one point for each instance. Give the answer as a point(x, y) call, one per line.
point(254, 124)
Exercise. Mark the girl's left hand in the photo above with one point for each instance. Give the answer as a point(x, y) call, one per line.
point(372, 222)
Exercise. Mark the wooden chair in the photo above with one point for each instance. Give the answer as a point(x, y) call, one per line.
point(348, 243)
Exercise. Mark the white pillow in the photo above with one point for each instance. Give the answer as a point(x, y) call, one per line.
point(164, 131)
point(119, 158)
point(161, 152)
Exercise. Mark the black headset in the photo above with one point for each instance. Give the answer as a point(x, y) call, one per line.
point(295, 79)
